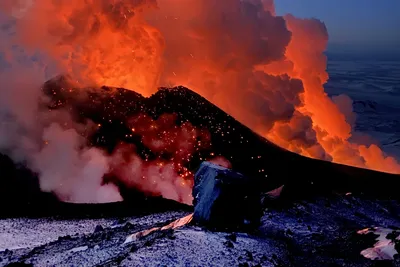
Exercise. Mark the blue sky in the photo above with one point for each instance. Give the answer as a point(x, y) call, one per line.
point(364, 24)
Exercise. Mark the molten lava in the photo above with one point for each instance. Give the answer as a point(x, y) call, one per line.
point(265, 70)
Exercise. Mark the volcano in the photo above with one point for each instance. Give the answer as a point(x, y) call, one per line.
point(248, 153)
point(115, 110)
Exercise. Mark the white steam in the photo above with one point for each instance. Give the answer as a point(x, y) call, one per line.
point(52, 148)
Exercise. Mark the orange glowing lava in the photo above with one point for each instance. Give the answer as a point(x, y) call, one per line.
point(267, 71)
point(178, 223)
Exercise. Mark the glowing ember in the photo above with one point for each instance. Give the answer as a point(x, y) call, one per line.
point(163, 172)
point(265, 70)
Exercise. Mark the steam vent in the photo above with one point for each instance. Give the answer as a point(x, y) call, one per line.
point(224, 198)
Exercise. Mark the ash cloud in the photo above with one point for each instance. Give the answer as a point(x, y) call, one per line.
point(54, 150)
point(232, 54)
point(215, 49)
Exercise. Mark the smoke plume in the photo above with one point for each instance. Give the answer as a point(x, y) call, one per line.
point(50, 144)
point(265, 70)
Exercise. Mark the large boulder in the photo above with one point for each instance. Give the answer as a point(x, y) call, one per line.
point(225, 199)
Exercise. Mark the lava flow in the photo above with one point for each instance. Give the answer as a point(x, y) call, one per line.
point(265, 70)
point(173, 225)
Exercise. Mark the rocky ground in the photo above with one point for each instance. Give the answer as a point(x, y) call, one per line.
point(318, 232)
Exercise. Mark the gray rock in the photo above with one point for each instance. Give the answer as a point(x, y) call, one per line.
point(224, 198)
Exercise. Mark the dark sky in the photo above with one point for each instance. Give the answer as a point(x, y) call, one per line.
point(363, 24)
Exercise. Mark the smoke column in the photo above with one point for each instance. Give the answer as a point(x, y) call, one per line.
point(267, 71)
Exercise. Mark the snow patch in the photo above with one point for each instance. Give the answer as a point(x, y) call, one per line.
point(384, 249)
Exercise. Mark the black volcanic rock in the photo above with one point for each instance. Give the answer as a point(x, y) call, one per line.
point(249, 153)
point(225, 199)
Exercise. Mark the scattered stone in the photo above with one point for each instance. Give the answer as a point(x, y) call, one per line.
point(170, 234)
point(232, 237)
point(134, 248)
point(119, 222)
point(393, 235)
point(289, 232)
point(128, 226)
point(229, 244)
point(263, 258)
point(149, 242)
point(249, 255)
point(98, 228)
point(77, 249)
